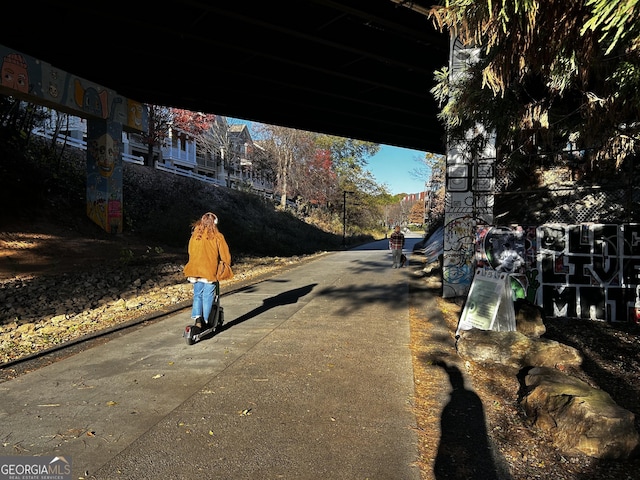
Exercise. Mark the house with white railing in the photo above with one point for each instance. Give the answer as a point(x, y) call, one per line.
point(233, 165)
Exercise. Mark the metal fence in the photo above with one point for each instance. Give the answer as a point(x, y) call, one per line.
point(559, 197)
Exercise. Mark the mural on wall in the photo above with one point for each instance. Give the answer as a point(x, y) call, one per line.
point(468, 203)
point(513, 251)
point(104, 174)
point(458, 250)
point(588, 271)
point(108, 115)
point(137, 116)
point(15, 72)
point(41, 82)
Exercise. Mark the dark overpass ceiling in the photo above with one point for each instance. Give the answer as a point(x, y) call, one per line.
point(361, 69)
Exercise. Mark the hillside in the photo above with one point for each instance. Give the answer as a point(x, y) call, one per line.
point(41, 190)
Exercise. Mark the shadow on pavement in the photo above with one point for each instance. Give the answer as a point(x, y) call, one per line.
point(284, 298)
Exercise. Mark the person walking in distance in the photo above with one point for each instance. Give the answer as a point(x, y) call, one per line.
point(207, 246)
point(396, 244)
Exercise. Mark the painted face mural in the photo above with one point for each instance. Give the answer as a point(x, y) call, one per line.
point(105, 151)
point(54, 84)
point(135, 114)
point(14, 73)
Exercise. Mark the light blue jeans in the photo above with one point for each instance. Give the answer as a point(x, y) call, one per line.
point(203, 294)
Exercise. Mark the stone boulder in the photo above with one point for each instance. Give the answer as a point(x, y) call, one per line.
point(515, 349)
point(580, 418)
point(529, 318)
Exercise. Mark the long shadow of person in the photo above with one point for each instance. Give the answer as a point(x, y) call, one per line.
point(465, 452)
point(284, 298)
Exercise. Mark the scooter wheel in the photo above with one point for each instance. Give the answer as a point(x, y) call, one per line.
point(188, 335)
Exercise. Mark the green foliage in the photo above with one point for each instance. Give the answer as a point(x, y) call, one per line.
point(549, 73)
point(615, 19)
point(126, 256)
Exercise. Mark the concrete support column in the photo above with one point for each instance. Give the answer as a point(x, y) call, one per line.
point(104, 174)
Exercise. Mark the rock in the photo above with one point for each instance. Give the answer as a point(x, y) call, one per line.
point(53, 305)
point(529, 318)
point(514, 349)
point(580, 418)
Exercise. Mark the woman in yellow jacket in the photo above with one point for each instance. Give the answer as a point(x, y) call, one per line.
point(207, 246)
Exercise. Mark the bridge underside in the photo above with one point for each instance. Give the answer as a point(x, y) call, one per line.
point(356, 68)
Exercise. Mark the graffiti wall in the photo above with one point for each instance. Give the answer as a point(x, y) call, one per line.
point(469, 190)
point(105, 175)
point(588, 271)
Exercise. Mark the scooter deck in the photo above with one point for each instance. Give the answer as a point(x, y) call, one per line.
point(193, 334)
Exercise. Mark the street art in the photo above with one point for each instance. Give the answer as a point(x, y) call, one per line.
point(587, 271)
point(14, 73)
point(465, 208)
point(469, 183)
point(43, 82)
point(107, 114)
point(458, 254)
point(104, 175)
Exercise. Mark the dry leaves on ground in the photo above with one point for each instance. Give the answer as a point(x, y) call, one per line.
point(504, 444)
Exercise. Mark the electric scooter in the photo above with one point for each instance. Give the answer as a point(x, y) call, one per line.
point(193, 333)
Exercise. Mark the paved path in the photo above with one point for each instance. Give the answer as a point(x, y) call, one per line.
point(311, 378)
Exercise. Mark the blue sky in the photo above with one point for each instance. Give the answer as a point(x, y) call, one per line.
point(393, 166)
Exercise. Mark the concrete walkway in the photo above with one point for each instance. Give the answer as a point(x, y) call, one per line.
point(311, 378)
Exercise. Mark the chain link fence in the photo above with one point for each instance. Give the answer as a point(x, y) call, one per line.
point(560, 196)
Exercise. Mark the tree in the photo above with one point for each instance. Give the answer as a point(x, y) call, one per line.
point(435, 189)
point(217, 141)
point(318, 169)
point(195, 123)
point(397, 212)
point(423, 171)
point(290, 150)
point(160, 120)
point(318, 183)
point(549, 74)
point(349, 158)
point(416, 213)
point(364, 198)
